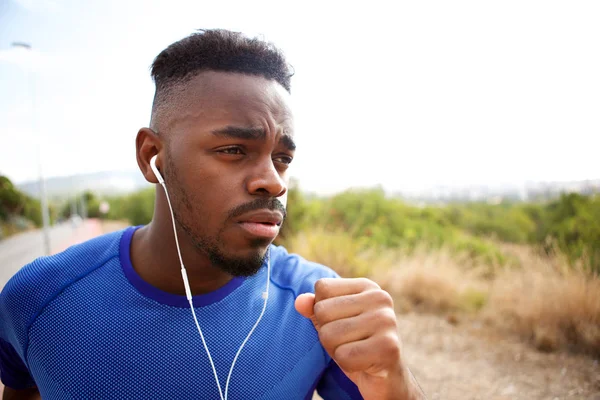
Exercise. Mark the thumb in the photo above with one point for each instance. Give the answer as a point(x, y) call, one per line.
point(305, 304)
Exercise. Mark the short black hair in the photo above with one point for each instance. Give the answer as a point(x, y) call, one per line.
point(217, 50)
point(220, 50)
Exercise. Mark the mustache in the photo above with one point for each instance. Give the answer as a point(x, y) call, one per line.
point(269, 203)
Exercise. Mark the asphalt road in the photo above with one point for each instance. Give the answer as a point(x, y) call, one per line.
point(21, 249)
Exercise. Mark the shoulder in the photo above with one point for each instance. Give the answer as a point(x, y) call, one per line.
point(39, 282)
point(45, 275)
point(292, 272)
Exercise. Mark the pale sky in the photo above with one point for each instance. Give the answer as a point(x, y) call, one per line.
point(403, 94)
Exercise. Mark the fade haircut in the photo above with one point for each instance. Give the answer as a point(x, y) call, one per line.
point(213, 50)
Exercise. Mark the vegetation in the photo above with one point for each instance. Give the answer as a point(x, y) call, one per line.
point(569, 225)
point(88, 200)
point(529, 268)
point(136, 208)
point(17, 210)
point(549, 302)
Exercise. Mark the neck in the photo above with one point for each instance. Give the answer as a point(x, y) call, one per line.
point(154, 257)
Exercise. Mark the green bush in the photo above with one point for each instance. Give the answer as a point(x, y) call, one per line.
point(137, 208)
point(504, 222)
point(14, 203)
point(573, 222)
point(376, 221)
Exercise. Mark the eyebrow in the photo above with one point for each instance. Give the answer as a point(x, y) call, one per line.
point(243, 133)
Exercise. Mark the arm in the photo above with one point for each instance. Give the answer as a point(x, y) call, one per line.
point(405, 386)
point(25, 394)
point(18, 383)
point(19, 301)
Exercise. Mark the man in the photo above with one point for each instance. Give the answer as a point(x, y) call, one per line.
point(111, 318)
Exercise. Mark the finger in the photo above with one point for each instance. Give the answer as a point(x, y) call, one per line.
point(333, 287)
point(305, 306)
point(363, 326)
point(373, 355)
point(348, 306)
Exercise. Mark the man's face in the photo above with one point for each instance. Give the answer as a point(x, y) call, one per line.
point(228, 148)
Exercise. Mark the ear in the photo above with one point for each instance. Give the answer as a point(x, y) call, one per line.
point(147, 145)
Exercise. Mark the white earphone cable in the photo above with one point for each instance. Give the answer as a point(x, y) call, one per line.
point(189, 298)
point(189, 293)
point(266, 297)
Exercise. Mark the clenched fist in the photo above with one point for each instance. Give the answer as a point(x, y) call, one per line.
point(356, 323)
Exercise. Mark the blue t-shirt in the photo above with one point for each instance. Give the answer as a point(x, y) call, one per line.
point(82, 324)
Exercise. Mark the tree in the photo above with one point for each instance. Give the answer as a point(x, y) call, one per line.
point(574, 223)
point(14, 203)
point(11, 200)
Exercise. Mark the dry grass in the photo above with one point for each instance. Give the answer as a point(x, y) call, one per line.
point(548, 303)
point(544, 300)
point(433, 282)
point(337, 250)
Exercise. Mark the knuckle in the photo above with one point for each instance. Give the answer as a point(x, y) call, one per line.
point(382, 315)
point(391, 319)
point(322, 286)
point(394, 351)
point(337, 328)
point(391, 345)
point(368, 284)
point(320, 310)
point(345, 301)
point(385, 298)
point(345, 354)
point(389, 316)
point(327, 336)
point(374, 284)
point(344, 326)
point(382, 318)
point(381, 298)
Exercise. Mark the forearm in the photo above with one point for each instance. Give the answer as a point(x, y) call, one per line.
point(415, 391)
point(404, 386)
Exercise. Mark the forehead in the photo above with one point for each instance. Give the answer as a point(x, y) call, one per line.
point(215, 98)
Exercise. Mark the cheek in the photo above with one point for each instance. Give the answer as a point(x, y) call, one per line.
point(214, 198)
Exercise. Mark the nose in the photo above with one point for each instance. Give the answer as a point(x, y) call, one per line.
point(265, 180)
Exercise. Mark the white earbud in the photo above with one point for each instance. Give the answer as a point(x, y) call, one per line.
point(155, 170)
point(188, 291)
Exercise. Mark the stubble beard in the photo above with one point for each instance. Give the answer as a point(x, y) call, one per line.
point(212, 247)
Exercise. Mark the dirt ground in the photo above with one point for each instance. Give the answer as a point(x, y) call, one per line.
point(471, 361)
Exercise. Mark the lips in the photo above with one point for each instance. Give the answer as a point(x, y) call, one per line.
point(262, 223)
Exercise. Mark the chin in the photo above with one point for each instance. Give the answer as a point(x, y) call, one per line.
point(250, 254)
point(247, 248)
point(238, 262)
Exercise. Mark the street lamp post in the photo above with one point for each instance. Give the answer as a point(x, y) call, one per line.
point(42, 181)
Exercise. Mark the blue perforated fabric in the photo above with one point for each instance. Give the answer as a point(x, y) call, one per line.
point(83, 325)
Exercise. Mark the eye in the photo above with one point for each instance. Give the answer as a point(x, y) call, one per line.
point(287, 160)
point(233, 150)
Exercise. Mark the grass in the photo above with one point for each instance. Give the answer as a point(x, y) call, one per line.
point(548, 303)
point(430, 282)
